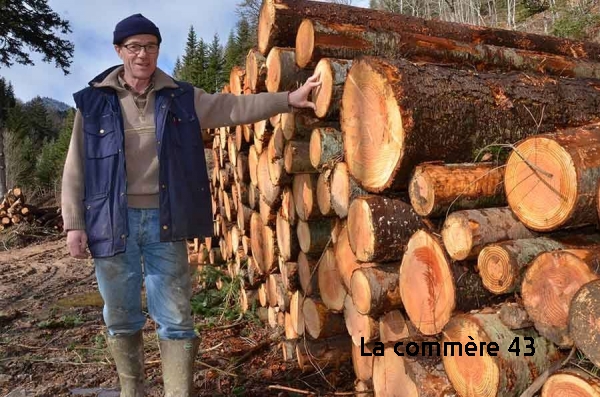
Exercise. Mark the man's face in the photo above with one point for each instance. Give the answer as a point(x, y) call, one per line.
point(139, 63)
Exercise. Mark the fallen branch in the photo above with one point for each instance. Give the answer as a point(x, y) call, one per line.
point(540, 380)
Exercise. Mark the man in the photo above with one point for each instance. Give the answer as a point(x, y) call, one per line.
point(135, 185)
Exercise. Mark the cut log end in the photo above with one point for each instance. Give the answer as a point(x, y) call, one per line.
point(571, 382)
point(426, 268)
point(381, 149)
point(323, 94)
point(458, 237)
point(361, 229)
point(266, 22)
point(421, 193)
point(496, 269)
point(305, 43)
point(361, 292)
point(541, 184)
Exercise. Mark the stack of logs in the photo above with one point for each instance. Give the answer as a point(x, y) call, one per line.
point(14, 210)
point(445, 189)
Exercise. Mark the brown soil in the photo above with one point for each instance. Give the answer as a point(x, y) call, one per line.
point(52, 339)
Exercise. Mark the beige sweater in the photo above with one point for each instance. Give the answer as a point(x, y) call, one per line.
point(213, 110)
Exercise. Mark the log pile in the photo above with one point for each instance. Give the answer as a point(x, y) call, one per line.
point(422, 201)
point(14, 210)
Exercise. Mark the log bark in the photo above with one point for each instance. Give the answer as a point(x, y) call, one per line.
point(584, 320)
point(436, 189)
point(256, 70)
point(282, 72)
point(376, 290)
point(505, 373)
point(344, 189)
point(571, 381)
point(328, 96)
point(304, 188)
point(326, 148)
point(307, 274)
point(549, 285)
point(329, 352)
point(314, 236)
point(514, 316)
point(502, 265)
point(287, 239)
point(279, 21)
point(445, 99)
point(379, 228)
point(331, 288)
point(297, 158)
point(467, 232)
point(361, 327)
point(432, 287)
point(318, 39)
point(320, 322)
point(552, 179)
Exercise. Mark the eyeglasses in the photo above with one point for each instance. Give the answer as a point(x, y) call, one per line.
point(137, 48)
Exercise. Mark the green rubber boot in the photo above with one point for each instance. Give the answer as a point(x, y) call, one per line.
point(177, 357)
point(128, 353)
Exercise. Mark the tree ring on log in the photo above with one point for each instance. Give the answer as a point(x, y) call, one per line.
point(305, 43)
point(323, 94)
point(497, 274)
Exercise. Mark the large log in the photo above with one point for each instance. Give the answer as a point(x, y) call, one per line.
point(571, 381)
point(466, 232)
point(297, 158)
point(320, 322)
point(436, 189)
point(282, 72)
point(279, 21)
point(326, 148)
point(379, 228)
point(318, 39)
point(329, 352)
point(432, 287)
point(584, 320)
point(376, 290)
point(256, 70)
point(549, 285)
point(423, 103)
point(502, 373)
point(314, 236)
point(551, 180)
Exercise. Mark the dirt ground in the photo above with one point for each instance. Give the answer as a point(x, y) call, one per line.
point(52, 339)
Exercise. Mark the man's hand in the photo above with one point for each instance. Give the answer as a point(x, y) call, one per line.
point(299, 98)
point(77, 243)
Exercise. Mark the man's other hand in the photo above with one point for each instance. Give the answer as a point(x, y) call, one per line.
point(77, 243)
point(299, 98)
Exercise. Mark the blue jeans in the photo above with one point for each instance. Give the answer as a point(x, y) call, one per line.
point(165, 268)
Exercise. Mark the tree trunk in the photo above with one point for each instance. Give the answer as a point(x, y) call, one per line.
point(361, 327)
point(549, 284)
point(320, 322)
point(279, 21)
point(282, 72)
point(436, 189)
point(502, 265)
point(344, 189)
point(287, 239)
point(584, 320)
point(328, 96)
point(326, 148)
point(318, 39)
point(314, 236)
point(331, 288)
point(305, 196)
point(256, 70)
point(571, 381)
point(432, 287)
point(467, 232)
point(376, 290)
point(307, 274)
point(503, 374)
point(478, 109)
point(551, 180)
point(379, 228)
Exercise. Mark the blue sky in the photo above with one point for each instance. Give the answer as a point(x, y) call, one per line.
point(92, 24)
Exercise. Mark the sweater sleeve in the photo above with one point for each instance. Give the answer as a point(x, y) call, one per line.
point(72, 180)
point(223, 110)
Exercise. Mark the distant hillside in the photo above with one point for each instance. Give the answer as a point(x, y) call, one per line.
point(55, 105)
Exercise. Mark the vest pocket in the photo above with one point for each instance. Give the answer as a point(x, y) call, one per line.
point(97, 218)
point(100, 137)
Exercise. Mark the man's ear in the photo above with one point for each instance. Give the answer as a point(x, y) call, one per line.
point(118, 50)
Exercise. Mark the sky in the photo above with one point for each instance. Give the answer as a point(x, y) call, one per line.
point(92, 24)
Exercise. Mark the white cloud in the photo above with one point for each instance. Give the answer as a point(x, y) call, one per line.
point(92, 25)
